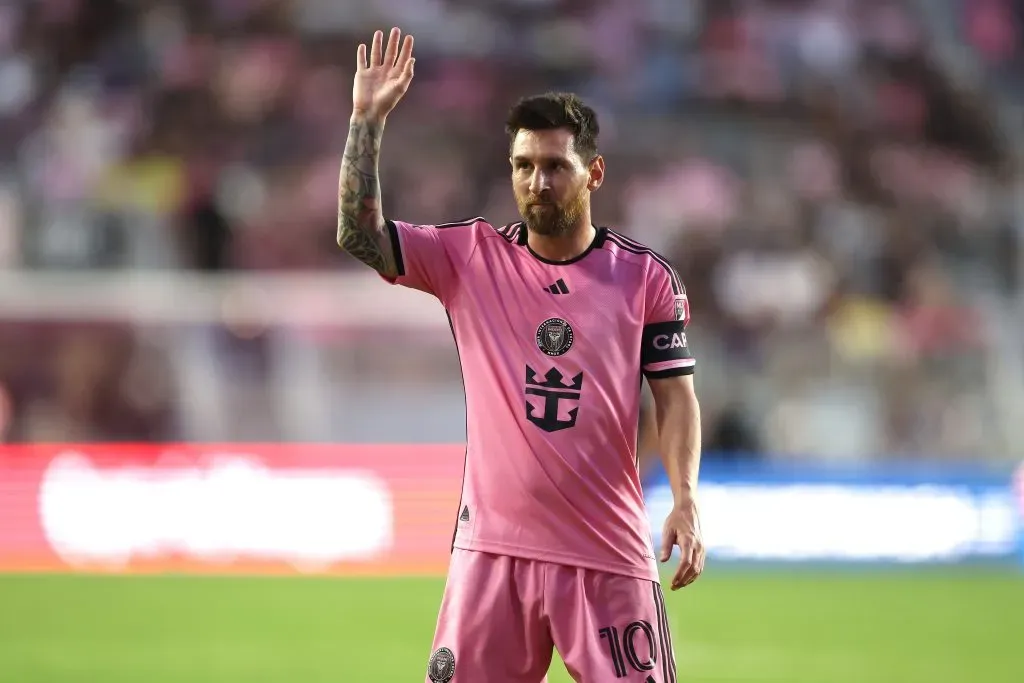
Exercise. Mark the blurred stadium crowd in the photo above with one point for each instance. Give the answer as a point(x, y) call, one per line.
point(835, 180)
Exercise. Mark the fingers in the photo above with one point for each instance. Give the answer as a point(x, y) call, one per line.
point(391, 53)
point(691, 565)
point(697, 568)
point(405, 56)
point(685, 565)
point(398, 52)
point(668, 539)
point(375, 50)
point(687, 574)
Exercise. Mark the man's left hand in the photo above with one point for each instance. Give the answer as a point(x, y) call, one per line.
point(682, 528)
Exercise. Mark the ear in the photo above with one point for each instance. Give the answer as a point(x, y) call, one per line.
point(596, 173)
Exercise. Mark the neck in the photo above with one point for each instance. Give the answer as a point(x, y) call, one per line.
point(563, 247)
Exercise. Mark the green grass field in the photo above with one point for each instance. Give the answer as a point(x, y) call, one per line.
point(732, 626)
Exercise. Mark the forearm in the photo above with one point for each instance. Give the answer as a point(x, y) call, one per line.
point(679, 443)
point(361, 228)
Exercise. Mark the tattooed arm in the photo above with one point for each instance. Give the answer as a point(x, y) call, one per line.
point(361, 228)
point(379, 84)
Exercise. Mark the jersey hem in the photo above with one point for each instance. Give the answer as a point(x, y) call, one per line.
point(633, 572)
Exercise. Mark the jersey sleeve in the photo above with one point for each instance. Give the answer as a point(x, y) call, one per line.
point(664, 351)
point(429, 257)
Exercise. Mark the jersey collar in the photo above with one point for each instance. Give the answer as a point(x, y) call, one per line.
point(599, 237)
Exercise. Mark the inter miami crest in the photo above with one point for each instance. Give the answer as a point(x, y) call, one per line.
point(554, 336)
point(441, 667)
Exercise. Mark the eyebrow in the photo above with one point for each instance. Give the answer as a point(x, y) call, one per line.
point(519, 159)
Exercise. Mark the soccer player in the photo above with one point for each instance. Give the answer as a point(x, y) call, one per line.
point(555, 321)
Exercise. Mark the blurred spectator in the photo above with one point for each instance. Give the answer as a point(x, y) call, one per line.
point(828, 191)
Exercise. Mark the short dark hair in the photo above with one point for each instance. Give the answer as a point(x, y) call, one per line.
point(555, 110)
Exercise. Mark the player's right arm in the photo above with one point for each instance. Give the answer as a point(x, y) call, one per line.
point(378, 86)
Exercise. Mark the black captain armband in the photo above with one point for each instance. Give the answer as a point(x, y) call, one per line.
point(664, 351)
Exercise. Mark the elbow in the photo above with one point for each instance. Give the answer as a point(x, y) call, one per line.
point(342, 237)
point(348, 238)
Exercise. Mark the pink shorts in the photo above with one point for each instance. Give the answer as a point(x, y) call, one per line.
point(501, 618)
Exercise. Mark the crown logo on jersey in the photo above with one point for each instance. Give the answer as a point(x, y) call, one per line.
point(556, 394)
point(554, 379)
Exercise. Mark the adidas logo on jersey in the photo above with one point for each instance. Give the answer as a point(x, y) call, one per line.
point(557, 288)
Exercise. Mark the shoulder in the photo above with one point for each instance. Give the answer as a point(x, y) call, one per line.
point(465, 224)
point(457, 234)
point(656, 267)
point(467, 229)
point(476, 228)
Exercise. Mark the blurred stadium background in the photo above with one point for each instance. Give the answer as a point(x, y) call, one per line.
point(230, 454)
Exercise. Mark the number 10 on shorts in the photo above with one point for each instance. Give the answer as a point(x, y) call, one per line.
point(637, 641)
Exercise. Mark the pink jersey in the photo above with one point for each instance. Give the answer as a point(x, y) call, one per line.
point(552, 356)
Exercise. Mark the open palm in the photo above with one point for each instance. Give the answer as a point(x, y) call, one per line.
point(381, 82)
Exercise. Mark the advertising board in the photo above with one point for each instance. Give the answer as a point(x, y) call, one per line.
point(390, 509)
point(229, 508)
point(890, 513)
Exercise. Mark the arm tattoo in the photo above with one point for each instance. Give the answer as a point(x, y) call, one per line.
point(361, 228)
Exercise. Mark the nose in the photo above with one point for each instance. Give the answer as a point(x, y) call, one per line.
point(540, 183)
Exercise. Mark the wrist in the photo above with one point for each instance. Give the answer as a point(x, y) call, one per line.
point(367, 118)
point(684, 499)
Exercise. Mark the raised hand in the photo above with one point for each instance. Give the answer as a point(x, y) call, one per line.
point(382, 81)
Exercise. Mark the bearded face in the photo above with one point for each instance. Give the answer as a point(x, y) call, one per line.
point(550, 181)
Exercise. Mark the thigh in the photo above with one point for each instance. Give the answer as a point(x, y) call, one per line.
point(609, 627)
point(490, 626)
